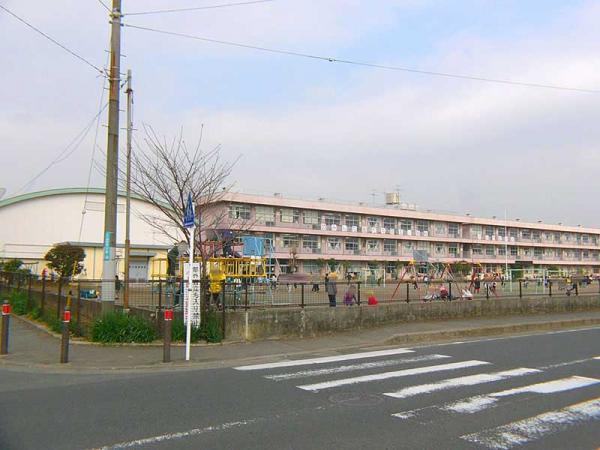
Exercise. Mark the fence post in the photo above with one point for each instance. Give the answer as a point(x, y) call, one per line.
point(5, 326)
point(43, 300)
point(550, 288)
point(59, 299)
point(407, 293)
point(487, 291)
point(78, 303)
point(449, 291)
point(520, 288)
point(246, 296)
point(576, 288)
point(29, 282)
point(302, 295)
point(167, 332)
point(358, 293)
point(64, 343)
point(223, 306)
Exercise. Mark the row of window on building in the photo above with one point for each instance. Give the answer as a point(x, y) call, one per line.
point(266, 215)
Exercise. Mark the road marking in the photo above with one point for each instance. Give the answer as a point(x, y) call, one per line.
point(533, 428)
point(470, 380)
point(326, 359)
point(175, 436)
point(352, 367)
point(596, 357)
point(481, 402)
point(568, 363)
point(396, 374)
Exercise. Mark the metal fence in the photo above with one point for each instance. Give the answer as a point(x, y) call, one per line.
point(156, 295)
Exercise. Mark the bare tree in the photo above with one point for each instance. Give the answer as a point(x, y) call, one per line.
point(167, 171)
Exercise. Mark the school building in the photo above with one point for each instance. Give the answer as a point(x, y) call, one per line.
point(304, 236)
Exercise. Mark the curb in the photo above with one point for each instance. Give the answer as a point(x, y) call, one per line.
point(432, 336)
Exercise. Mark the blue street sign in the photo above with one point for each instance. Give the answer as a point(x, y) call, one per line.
point(188, 214)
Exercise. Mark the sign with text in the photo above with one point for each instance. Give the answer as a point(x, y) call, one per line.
point(188, 214)
point(192, 291)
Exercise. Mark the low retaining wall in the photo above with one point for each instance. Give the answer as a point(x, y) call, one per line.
point(256, 324)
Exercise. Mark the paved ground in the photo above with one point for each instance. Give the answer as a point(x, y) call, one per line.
point(539, 391)
point(34, 348)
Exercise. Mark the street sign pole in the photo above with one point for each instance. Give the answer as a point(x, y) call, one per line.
point(189, 222)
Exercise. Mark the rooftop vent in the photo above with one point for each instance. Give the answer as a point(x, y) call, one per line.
point(392, 198)
point(277, 194)
point(517, 219)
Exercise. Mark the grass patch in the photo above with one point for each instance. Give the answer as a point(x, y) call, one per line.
point(18, 301)
point(117, 327)
point(209, 330)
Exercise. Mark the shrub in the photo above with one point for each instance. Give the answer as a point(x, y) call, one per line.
point(35, 313)
point(117, 327)
point(18, 301)
point(209, 330)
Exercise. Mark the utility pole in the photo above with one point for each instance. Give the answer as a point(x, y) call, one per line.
point(129, 92)
point(112, 161)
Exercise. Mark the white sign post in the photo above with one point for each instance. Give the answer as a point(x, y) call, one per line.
point(189, 222)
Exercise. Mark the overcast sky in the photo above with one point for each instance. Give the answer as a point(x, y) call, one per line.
point(309, 128)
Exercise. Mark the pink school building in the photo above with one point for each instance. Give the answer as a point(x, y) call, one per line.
point(302, 236)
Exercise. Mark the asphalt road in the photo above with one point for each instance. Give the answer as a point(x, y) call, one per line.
point(540, 391)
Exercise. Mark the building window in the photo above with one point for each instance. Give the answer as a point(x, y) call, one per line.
point(239, 212)
point(372, 244)
point(477, 250)
point(535, 235)
point(372, 221)
point(389, 245)
point(501, 232)
point(406, 224)
point(526, 234)
point(453, 229)
point(476, 231)
point(389, 223)
point(408, 246)
point(489, 250)
point(453, 250)
point(537, 252)
point(440, 229)
point(290, 215)
point(440, 249)
point(290, 240)
point(311, 217)
point(334, 243)
point(310, 243)
point(351, 244)
point(310, 267)
point(501, 251)
point(513, 233)
point(284, 265)
point(585, 238)
point(391, 268)
point(422, 226)
point(352, 221)
point(489, 231)
point(265, 214)
point(514, 251)
point(556, 237)
point(332, 219)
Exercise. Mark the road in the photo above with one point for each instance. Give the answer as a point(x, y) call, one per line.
point(539, 391)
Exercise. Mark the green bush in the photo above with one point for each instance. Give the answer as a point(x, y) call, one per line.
point(18, 301)
point(117, 327)
point(35, 313)
point(209, 330)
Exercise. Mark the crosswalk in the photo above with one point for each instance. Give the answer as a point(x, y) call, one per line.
point(345, 371)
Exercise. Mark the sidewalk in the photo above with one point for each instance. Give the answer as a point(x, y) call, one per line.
point(35, 349)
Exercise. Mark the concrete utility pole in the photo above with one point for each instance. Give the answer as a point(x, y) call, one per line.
point(112, 161)
point(128, 189)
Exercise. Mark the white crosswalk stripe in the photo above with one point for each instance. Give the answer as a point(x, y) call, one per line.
point(470, 380)
point(534, 428)
point(326, 359)
point(395, 374)
point(353, 367)
point(481, 402)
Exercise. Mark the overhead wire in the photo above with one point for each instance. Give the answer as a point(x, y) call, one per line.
point(51, 39)
point(196, 8)
point(67, 151)
point(364, 64)
point(105, 6)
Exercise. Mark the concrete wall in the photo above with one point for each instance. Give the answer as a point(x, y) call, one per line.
point(256, 324)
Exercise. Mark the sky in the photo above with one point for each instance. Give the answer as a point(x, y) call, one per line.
point(310, 128)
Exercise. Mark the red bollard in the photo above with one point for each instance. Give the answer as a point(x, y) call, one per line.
point(167, 329)
point(64, 344)
point(5, 325)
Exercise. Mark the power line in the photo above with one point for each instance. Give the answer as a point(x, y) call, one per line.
point(54, 41)
point(198, 8)
point(366, 64)
point(105, 6)
point(67, 151)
